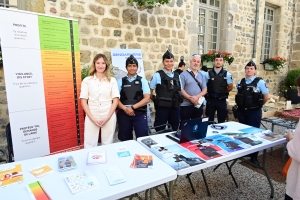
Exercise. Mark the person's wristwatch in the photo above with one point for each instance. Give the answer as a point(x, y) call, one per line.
point(132, 108)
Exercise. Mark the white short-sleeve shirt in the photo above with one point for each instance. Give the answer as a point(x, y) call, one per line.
point(98, 90)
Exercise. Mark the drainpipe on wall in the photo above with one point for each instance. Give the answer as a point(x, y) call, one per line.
point(255, 30)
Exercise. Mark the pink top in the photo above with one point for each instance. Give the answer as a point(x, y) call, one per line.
point(293, 176)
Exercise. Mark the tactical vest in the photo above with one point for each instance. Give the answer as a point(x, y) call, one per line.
point(248, 96)
point(168, 92)
point(217, 83)
point(132, 92)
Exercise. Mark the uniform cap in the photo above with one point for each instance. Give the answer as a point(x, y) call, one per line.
point(219, 55)
point(251, 63)
point(168, 55)
point(131, 60)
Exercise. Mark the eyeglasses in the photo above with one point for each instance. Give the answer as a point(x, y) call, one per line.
point(197, 55)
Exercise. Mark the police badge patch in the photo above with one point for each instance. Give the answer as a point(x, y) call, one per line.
point(266, 85)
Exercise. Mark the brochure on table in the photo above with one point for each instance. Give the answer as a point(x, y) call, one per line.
point(95, 158)
point(216, 144)
point(41, 171)
point(66, 163)
point(11, 175)
point(37, 191)
point(41, 62)
point(174, 155)
point(81, 181)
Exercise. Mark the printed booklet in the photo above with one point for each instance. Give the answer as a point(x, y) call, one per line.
point(227, 143)
point(122, 152)
point(142, 161)
point(66, 163)
point(269, 135)
point(95, 158)
point(247, 138)
point(41, 171)
point(181, 158)
point(148, 141)
point(161, 151)
point(81, 181)
point(204, 150)
point(37, 191)
point(252, 130)
point(11, 175)
point(114, 175)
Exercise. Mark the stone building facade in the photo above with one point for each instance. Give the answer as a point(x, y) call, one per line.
point(107, 24)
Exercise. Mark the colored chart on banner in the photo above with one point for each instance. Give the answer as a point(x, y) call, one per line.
point(43, 83)
point(55, 41)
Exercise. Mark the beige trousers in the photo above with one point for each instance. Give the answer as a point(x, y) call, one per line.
point(100, 111)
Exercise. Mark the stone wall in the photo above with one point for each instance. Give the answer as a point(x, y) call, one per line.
point(237, 35)
point(295, 61)
point(107, 24)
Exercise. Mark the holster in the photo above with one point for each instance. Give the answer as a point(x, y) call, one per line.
point(235, 111)
point(178, 99)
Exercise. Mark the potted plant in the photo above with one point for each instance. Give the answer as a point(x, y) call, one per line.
point(276, 63)
point(290, 86)
point(228, 58)
point(208, 58)
point(142, 4)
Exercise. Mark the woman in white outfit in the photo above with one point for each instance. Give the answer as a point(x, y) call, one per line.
point(99, 99)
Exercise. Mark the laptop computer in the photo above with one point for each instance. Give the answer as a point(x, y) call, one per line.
point(191, 130)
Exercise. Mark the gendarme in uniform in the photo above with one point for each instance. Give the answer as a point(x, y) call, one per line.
point(134, 96)
point(252, 93)
point(168, 94)
point(219, 84)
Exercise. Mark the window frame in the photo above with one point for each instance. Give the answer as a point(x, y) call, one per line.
point(272, 24)
point(207, 8)
point(21, 5)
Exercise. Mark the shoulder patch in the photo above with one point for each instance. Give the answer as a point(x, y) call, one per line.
point(266, 85)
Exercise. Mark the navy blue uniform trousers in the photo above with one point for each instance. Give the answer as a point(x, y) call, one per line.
point(251, 118)
point(168, 115)
point(128, 123)
point(190, 112)
point(219, 105)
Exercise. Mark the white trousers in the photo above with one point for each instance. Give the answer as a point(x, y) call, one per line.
point(99, 111)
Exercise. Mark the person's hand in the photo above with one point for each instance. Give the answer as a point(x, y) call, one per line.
point(103, 122)
point(96, 122)
point(129, 111)
point(194, 100)
point(289, 136)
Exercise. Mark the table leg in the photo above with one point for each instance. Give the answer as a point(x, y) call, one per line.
point(263, 167)
point(151, 193)
point(190, 181)
point(171, 187)
point(230, 173)
point(203, 176)
point(146, 194)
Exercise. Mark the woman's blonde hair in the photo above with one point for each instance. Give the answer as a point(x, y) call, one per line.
point(107, 70)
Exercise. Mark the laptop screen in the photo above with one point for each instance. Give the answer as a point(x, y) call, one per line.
point(193, 129)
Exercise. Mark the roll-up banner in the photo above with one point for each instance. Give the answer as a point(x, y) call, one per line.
point(41, 61)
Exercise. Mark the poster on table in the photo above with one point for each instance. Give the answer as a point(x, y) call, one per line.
point(41, 61)
point(118, 57)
